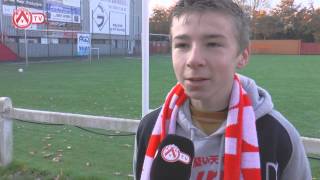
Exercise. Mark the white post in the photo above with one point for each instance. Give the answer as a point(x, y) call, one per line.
point(1, 25)
point(5, 132)
point(90, 58)
point(26, 46)
point(90, 49)
point(99, 54)
point(145, 57)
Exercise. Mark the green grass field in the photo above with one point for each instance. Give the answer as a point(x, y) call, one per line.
point(112, 87)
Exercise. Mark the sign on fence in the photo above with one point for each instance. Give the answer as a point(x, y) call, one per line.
point(67, 11)
point(110, 17)
point(84, 44)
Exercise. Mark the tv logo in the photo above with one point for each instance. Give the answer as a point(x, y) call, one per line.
point(23, 18)
point(171, 153)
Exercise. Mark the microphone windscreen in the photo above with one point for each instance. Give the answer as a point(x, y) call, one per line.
point(173, 160)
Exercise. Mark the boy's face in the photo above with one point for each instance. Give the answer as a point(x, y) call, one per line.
point(205, 54)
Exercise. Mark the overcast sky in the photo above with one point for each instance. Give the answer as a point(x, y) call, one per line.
point(273, 3)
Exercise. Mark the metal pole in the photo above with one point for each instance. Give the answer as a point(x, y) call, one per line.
point(125, 34)
point(98, 54)
point(90, 55)
point(17, 36)
point(133, 36)
point(26, 46)
point(110, 43)
point(145, 57)
point(48, 40)
point(139, 37)
point(91, 35)
point(1, 24)
point(72, 29)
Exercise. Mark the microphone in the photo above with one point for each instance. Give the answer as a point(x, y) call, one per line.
point(173, 160)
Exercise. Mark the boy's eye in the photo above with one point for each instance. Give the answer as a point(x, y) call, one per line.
point(213, 44)
point(181, 45)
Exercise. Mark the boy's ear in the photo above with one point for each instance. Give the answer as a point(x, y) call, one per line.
point(243, 58)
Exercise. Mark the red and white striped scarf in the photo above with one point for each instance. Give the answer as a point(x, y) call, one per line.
point(241, 156)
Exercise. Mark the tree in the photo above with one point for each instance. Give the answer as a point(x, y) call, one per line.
point(286, 11)
point(253, 8)
point(302, 24)
point(267, 27)
point(299, 23)
point(285, 21)
point(315, 24)
point(160, 20)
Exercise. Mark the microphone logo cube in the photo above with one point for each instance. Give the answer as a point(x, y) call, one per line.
point(171, 153)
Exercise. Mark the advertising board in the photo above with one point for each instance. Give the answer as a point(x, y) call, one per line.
point(84, 44)
point(110, 17)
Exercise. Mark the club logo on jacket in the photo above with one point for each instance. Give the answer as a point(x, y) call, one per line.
point(171, 153)
point(206, 168)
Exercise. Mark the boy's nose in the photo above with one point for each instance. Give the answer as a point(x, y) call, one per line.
point(195, 57)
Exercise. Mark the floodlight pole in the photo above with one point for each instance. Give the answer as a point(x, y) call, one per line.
point(91, 35)
point(145, 57)
point(110, 41)
point(26, 46)
point(1, 26)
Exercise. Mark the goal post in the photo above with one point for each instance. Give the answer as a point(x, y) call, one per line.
point(145, 57)
point(90, 53)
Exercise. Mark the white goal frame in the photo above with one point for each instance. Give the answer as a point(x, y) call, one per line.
point(90, 53)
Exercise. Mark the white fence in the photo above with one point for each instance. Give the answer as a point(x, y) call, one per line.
point(8, 113)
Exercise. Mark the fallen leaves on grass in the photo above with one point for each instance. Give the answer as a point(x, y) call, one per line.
point(127, 145)
point(56, 159)
point(46, 146)
point(59, 176)
point(48, 137)
point(59, 150)
point(117, 173)
point(32, 152)
point(48, 155)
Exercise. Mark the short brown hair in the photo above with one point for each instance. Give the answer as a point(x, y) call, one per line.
point(228, 7)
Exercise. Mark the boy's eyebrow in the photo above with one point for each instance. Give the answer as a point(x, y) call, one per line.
point(207, 36)
point(181, 37)
point(214, 36)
